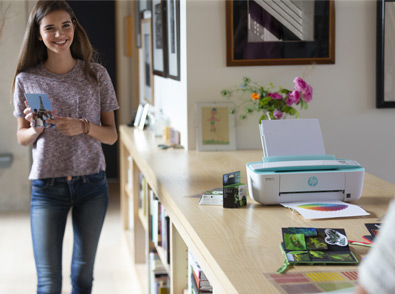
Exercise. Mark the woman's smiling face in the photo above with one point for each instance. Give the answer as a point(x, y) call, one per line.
point(57, 32)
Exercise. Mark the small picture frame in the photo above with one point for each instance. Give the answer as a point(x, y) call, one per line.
point(138, 115)
point(215, 126)
point(144, 115)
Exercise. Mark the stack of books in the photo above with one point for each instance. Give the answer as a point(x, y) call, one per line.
point(159, 279)
point(198, 280)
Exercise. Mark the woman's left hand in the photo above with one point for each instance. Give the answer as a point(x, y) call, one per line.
point(68, 126)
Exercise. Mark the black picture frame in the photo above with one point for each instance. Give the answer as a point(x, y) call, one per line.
point(139, 7)
point(271, 41)
point(159, 38)
point(173, 39)
point(146, 40)
point(384, 64)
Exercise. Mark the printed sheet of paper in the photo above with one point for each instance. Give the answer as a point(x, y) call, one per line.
point(291, 137)
point(325, 209)
point(213, 197)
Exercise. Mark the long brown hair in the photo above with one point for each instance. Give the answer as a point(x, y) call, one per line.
point(34, 52)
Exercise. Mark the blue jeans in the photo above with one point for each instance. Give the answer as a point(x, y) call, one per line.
point(51, 201)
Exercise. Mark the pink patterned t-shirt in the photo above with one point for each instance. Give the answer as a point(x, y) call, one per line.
point(71, 95)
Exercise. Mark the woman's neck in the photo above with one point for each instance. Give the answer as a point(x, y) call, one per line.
point(60, 64)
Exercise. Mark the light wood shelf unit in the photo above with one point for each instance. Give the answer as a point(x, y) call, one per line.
point(234, 247)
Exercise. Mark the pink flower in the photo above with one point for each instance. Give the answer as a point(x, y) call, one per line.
point(277, 114)
point(275, 95)
point(307, 94)
point(293, 98)
point(299, 84)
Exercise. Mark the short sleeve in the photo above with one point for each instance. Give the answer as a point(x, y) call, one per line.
point(19, 97)
point(108, 97)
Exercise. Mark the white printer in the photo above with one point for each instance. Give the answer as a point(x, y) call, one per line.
point(296, 168)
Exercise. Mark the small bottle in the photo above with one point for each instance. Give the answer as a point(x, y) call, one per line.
point(161, 122)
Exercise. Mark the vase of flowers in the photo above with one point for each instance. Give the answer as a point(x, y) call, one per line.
point(274, 104)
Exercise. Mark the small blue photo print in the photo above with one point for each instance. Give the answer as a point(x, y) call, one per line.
point(41, 109)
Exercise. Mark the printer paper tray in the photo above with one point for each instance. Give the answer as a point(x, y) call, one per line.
point(311, 196)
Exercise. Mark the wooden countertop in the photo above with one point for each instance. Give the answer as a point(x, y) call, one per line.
point(235, 247)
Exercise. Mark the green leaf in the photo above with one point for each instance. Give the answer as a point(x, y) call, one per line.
point(225, 93)
point(246, 80)
point(292, 111)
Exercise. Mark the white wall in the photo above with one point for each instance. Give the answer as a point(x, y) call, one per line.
point(14, 185)
point(344, 93)
point(171, 95)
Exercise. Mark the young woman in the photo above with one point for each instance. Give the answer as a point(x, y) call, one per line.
point(68, 171)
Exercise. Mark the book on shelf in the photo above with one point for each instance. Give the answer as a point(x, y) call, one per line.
point(196, 289)
point(143, 194)
point(159, 279)
point(165, 230)
point(195, 266)
point(198, 280)
point(156, 226)
point(201, 284)
point(160, 225)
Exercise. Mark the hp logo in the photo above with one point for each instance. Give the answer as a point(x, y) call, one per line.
point(313, 181)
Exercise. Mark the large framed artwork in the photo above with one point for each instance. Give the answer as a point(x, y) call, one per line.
point(272, 32)
point(173, 39)
point(159, 38)
point(385, 67)
point(147, 54)
point(215, 126)
point(139, 8)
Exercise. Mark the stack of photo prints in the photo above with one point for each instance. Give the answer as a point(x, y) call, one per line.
point(315, 246)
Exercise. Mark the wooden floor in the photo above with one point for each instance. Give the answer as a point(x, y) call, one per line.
point(114, 272)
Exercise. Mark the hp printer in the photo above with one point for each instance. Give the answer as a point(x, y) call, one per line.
point(291, 177)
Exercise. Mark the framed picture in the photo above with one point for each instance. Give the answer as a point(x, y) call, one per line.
point(144, 116)
point(215, 126)
point(139, 8)
point(159, 38)
point(147, 53)
point(137, 118)
point(385, 61)
point(173, 39)
point(275, 32)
